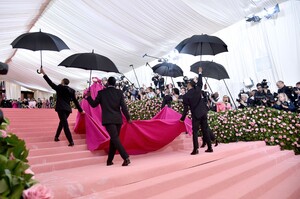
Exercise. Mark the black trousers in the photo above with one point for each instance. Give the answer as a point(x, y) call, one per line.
point(63, 124)
point(115, 144)
point(196, 124)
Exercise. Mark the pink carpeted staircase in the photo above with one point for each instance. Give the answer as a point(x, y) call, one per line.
point(235, 170)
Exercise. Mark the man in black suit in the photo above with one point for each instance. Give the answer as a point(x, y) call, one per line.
point(111, 100)
point(193, 99)
point(64, 95)
point(282, 88)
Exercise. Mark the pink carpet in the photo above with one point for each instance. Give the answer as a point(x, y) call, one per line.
point(235, 170)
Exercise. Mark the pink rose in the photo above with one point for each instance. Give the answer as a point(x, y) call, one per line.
point(3, 133)
point(37, 191)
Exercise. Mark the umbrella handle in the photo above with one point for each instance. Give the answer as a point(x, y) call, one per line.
point(38, 72)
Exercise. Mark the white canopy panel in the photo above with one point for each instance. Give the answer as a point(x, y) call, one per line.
point(121, 30)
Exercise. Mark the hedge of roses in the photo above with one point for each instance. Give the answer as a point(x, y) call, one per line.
point(251, 124)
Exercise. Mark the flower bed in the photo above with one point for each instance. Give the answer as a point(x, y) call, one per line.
point(252, 124)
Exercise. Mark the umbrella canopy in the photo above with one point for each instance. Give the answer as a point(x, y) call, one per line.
point(202, 45)
point(39, 41)
point(167, 69)
point(90, 61)
point(3, 68)
point(210, 69)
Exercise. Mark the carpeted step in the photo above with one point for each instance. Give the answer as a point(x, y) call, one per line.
point(221, 180)
point(74, 155)
point(143, 167)
point(47, 138)
point(278, 182)
point(65, 165)
point(38, 145)
point(198, 170)
point(56, 150)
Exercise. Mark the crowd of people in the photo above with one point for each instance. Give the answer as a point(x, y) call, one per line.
point(285, 98)
point(27, 103)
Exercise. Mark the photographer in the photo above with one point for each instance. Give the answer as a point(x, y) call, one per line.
point(213, 100)
point(243, 101)
point(283, 103)
point(288, 90)
point(263, 96)
point(155, 80)
point(297, 96)
point(259, 97)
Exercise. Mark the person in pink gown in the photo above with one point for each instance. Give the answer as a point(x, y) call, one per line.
point(138, 137)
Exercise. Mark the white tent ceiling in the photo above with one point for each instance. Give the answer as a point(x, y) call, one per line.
point(123, 30)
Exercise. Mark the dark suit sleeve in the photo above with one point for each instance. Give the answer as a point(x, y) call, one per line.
point(95, 102)
point(48, 80)
point(185, 109)
point(76, 102)
point(200, 82)
point(124, 108)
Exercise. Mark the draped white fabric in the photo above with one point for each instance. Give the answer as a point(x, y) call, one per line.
point(125, 30)
point(267, 50)
point(13, 91)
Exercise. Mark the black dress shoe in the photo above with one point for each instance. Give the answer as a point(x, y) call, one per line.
point(217, 143)
point(126, 162)
point(56, 139)
point(195, 151)
point(109, 163)
point(203, 145)
point(209, 150)
point(71, 144)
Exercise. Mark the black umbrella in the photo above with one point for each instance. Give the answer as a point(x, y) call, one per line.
point(39, 41)
point(3, 68)
point(168, 69)
point(90, 61)
point(210, 69)
point(202, 45)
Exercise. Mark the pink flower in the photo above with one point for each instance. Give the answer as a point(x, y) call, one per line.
point(37, 191)
point(3, 133)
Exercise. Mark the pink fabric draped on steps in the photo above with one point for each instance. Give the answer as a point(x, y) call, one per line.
point(139, 137)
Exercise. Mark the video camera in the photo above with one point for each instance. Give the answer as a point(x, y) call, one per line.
point(264, 83)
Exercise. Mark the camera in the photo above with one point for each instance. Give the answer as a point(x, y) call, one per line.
point(285, 103)
point(264, 84)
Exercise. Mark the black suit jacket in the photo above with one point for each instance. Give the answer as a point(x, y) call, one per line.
point(193, 100)
point(111, 100)
point(288, 92)
point(65, 95)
